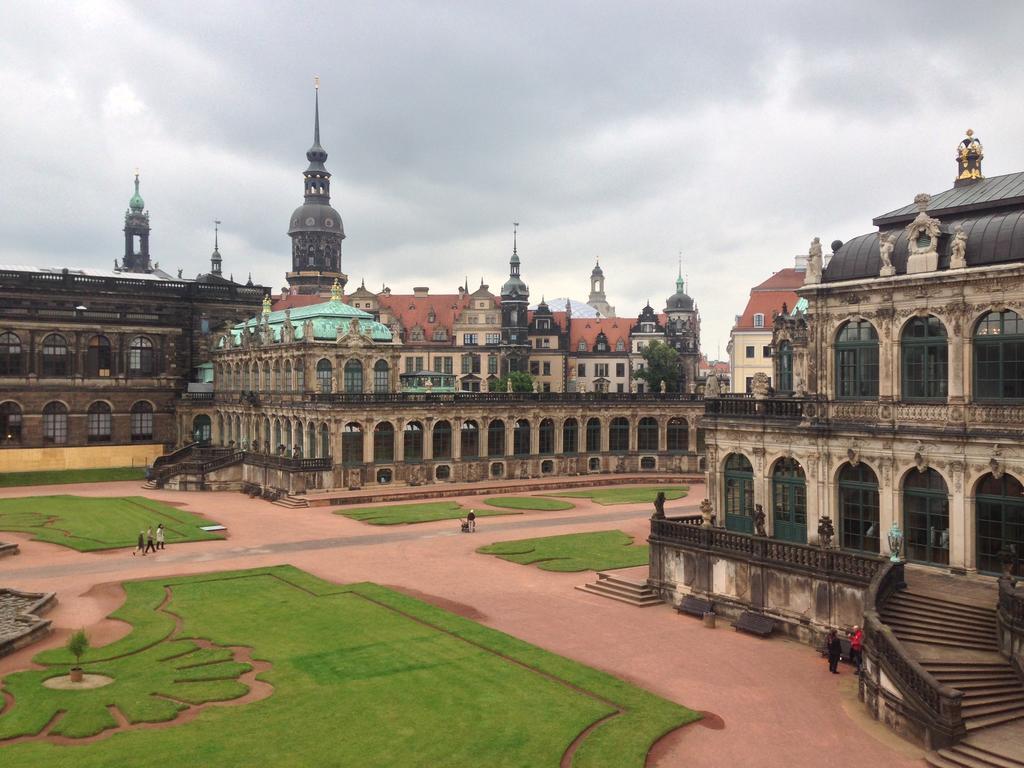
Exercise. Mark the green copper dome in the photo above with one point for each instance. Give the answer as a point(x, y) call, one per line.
point(137, 203)
point(326, 318)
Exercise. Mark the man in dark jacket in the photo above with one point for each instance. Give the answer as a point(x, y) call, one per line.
point(834, 649)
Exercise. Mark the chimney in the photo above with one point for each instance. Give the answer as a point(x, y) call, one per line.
point(800, 262)
point(420, 292)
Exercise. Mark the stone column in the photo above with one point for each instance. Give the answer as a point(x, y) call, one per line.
point(663, 434)
point(606, 425)
point(559, 443)
point(888, 502)
point(813, 470)
point(399, 441)
point(961, 538)
point(634, 426)
point(428, 439)
point(535, 436)
point(456, 439)
point(367, 441)
point(510, 426)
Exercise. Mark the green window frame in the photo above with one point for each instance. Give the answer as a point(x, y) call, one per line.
point(926, 517)
point(857, 361)
point(925, 360)
point(999, 357)
point(999, 520)
point(858, 509)
point(784, 367)
point(789, 501)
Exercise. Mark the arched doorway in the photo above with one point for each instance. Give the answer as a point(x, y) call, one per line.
point(926, 517)
point(999, 520)
point(858, 508)
point(352, 444)
point(739, 494)
point(789, 501)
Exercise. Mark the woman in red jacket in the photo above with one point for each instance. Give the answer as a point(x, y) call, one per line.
point(857, 647)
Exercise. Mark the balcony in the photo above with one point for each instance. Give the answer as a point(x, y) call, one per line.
point(745, 406)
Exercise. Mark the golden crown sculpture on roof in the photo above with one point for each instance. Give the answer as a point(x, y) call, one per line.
point(968, 158)
point(336, 291)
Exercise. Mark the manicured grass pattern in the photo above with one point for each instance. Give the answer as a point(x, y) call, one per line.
point(538, 503)
point(402, 514)
point(626, 494)
point(88, 524)
point(361, 676)
point(601, 551)
point(64, 476)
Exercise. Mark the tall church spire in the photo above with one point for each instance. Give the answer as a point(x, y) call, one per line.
point(136, 233)
point(215, 260)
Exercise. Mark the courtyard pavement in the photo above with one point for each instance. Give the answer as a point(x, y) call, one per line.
point(769, 703)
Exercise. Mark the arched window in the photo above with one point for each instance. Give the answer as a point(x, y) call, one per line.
point(925, 356)
point(142, 421)
point(10, 422)
point(620, 346)
point(384, 443)
point(310, 440)
point(266, 377)
point(277, 379)
point(300, 376)
point(858, 508)
point(999, 503)
point(593, 435)
point(546, 437)
point(55, 423)
point(678, 435)
point(470, 438)
point(926, 517)
point(325, 441)
point(739, 494)
point(570, 436)
point(618, 435)
point(324, 376)
point(10, 354)
point(275, 443)
point(99, 423)
point(784, 367)
point(789, 501)
point(999, 357)
point(287, 376)
point(647, 434)
point(353, 377)
point(521, 438)
point(442, 440)
point(245, 378)
point(140, 357)
point(582, 346)
point(351, 443)
point(496, 438)
point(381, 376)
point(413, 438)
point(55, 356)
point(857, 360)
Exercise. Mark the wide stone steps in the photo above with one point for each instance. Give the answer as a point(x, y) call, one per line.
point(623, 590)
point(291, 502)
point(936, 622)
point(938, 606)
point(965, 755)
point(913, 614)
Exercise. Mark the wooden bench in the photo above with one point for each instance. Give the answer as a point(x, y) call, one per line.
point(695, 606)
point(755, 623)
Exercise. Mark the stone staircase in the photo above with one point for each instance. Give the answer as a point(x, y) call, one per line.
point(291, 502)
point(624, 590)
point(925, 619)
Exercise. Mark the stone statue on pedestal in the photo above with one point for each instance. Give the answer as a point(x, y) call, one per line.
point(759, 518)
point(814, 263)
point(826, 532)
point(886, 243)
point(659, 506)
point(958, 249)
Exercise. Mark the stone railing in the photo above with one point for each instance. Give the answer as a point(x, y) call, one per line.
point(1011, 604)
point(845, 566)
point(289, 463)
point(747, 407)
point(495, 397)
point(934, 708)
point(174, 456)
point(1010, 623)
point(197, 395)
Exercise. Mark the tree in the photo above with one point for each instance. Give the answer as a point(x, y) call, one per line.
point(521, 382)
point(661, 364)
point(77, 645)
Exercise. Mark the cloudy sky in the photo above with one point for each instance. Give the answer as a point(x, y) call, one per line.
point(733, 132)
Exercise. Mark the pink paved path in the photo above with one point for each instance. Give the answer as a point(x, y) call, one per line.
point(771, 703)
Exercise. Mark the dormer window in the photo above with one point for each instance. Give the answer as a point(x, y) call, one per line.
point(647, 327)
point(581, 347)
point(543, 324)
point(431, 317)
point(759, 320)
point(620, 346)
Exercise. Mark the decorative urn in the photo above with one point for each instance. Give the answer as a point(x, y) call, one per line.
point(895, 542)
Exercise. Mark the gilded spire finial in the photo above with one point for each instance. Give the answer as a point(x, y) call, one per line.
point(969, 155)
point(266, 306)
point(515, 233)
point(336, 291)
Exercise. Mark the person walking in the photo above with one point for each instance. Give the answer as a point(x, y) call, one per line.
point(857, 647)
point(141, 546)
point(160, 536)
point(471, 519)
point(149, 541)
point(834, 648)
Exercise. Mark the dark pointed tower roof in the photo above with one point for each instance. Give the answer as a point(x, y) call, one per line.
point(514, 287)
point(136, 203)
point(215, 259)
point(316, 213)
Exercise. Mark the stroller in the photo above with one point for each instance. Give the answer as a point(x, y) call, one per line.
point(469, 524)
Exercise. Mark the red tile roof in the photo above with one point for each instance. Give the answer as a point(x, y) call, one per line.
point(587, 329)
point(768, 297)
point(412, 310)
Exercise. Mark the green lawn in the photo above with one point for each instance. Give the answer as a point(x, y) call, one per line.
point(599, 551)
point(401, 514)
point(538, 503)
point(88, 524)
point(63, 476)
point(361, 676)
point(626, 494)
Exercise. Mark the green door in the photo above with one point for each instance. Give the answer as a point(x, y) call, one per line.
point(789, 502)
point(739, 494)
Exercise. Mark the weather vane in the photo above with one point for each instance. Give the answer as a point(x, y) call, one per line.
point(316, 82)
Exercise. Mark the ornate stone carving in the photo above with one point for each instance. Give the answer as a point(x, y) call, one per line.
point(958, 249)
point(923, 239)
point(761, 386)
point(995, 462)
point(711, 386)
point(853, 455)
point(814, 263)
point(920, 460)
point(886, 243)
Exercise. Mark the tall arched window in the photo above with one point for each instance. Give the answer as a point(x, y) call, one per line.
point(926, 517)
point(10, 354)
point(142, 421)
point(678, 435)
point(858, 508)
point(999, 357)
point(353, 377)
point(300, 376)
point(925, 359)
point(55, 356)
point(470, 437)
point(789, 501)
point(99, 423)
point(857, 360)
point(413, 438)
point(999, 504)
point(546, 437)
point(311, 440)
point(593, 435)
point(325, 441)
point(352, 444)
point(277, 377)
point(784, 367)
point(140, 357)
point(266, 377)
point(521, 438)
point(739, 494)
point(496, 438)
point(384, 443)
point(287, 376)
point(324, 376)
point(55, 423)
point(10, 422)
point(570, 436)
point(441, 445)
point(618, 435)
point(647, 434)
point(381, 376)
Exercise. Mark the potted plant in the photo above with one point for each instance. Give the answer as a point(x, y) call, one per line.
point(77, 645)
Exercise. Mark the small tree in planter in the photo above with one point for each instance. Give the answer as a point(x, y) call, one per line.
point(77, 645)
